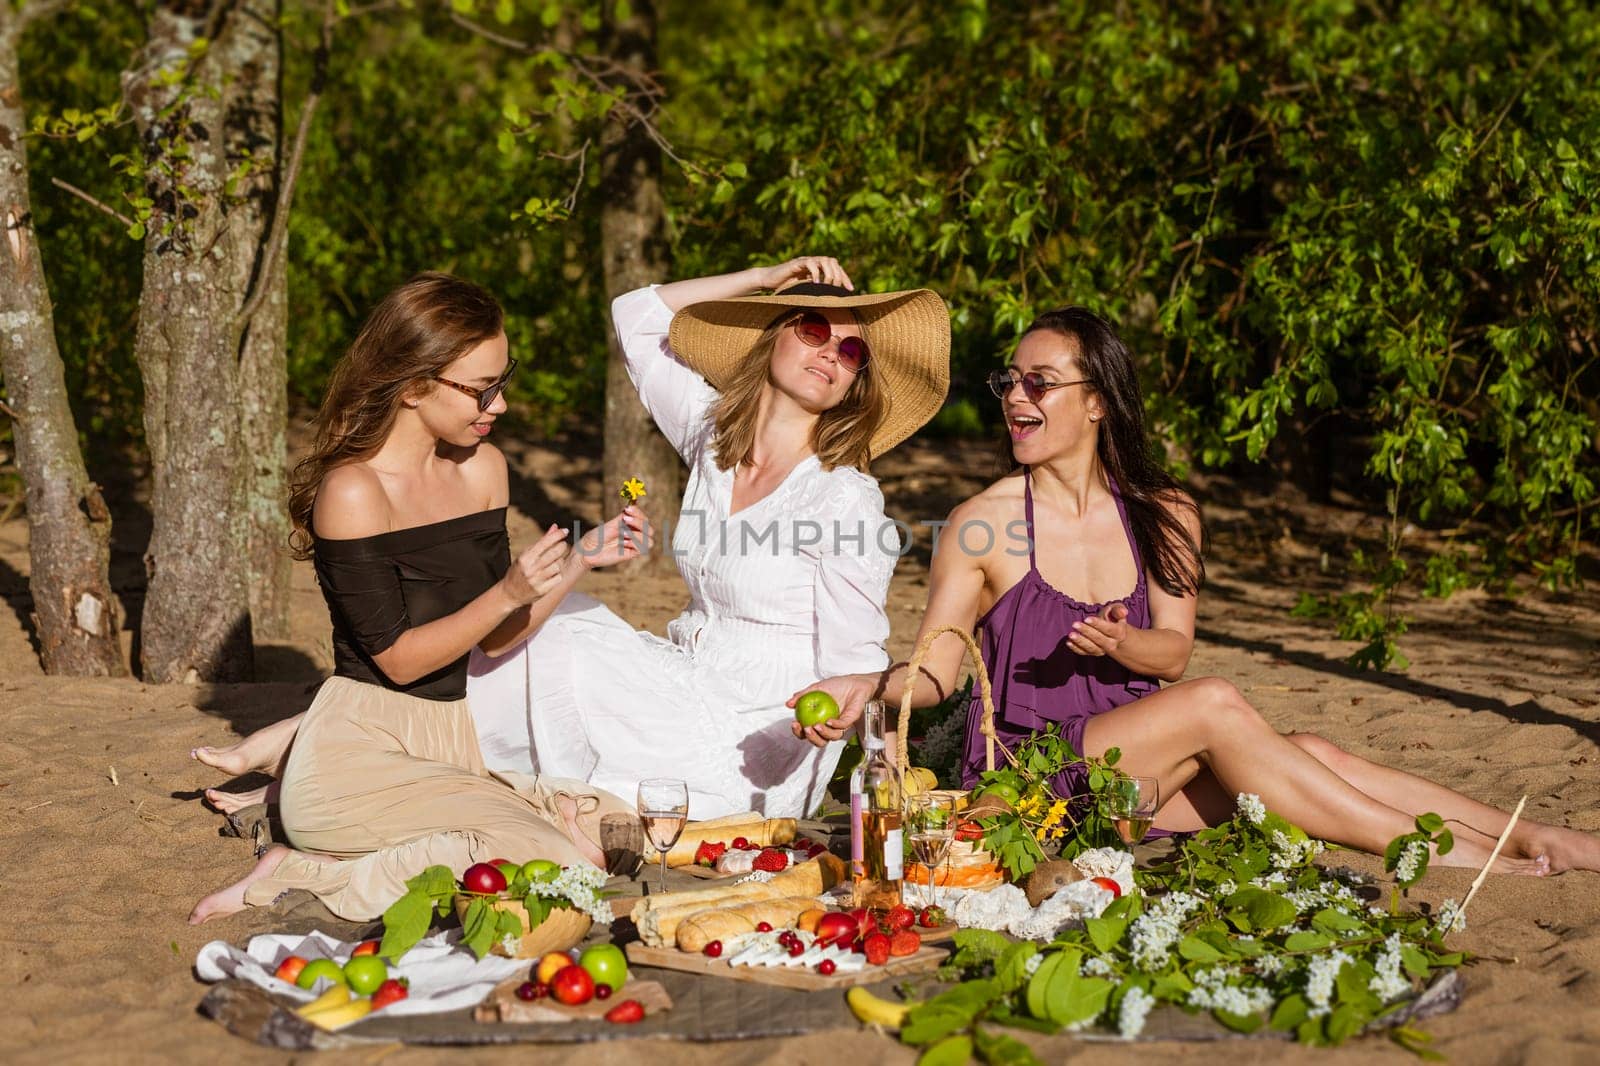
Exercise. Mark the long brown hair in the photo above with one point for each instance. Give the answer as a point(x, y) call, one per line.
point(842, 435)
point(417, 331)
point(1176, 560)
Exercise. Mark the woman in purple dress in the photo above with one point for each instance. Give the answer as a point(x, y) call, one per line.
point(1081, 568)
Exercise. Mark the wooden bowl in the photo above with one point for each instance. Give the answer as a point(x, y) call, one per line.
point(564, 928)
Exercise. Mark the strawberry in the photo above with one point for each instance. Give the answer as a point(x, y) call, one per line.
point(391, 991)
point(905, 942)
point(877, 949)
point(626, 1013)
point(1109, 885)
point(741, 844)
point(708, 853)
point(771, 860)
point(900, 917)
point(966, 830)
point(932, 917)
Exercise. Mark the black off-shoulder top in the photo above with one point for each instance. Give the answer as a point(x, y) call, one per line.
point(380, 586)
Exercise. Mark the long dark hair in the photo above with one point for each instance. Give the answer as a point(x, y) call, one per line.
point(417, 331)
point(1175, 560)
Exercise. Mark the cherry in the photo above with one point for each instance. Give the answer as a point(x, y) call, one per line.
point(763, 927)
point(714, 949)
point(527, 990)
point(602, 991)
point(826, 967)
point(796, 949)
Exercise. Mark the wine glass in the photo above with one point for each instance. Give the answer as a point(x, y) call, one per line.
point(931, 820)
point(1131, 804)
point(663, 809)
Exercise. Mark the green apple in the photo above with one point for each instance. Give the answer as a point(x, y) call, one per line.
point(365, 974)
point(317, 969)
point(606, 964)
point(541, 870)
point(814, 708)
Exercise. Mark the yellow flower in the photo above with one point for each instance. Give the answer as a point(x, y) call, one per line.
point(632, 490)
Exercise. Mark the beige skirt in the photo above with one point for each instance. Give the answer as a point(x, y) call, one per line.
point(380, 785)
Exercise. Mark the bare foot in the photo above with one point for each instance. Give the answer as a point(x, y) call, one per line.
point(233, 802)
point(1563, 849)
point(1471, 855)
point(263, 750)
point(230, 900)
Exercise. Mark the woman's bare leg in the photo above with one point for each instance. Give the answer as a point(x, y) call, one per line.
point(230, 900)
point(1206, 725)
point(264, 750)
point(1565, 849)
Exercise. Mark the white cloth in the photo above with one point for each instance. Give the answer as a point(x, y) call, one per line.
point(788, 591)
point(1005, 908)
point(444, 976)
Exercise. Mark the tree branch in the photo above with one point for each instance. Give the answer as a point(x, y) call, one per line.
point(277, 231)
point(86, 198)
point(9, 412)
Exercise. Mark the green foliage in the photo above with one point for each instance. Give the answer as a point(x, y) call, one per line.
point(1240, 923)
point(483, 925)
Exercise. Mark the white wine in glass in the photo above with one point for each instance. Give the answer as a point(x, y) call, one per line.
point(663, 810)
point(1131, 805)
point(931, 820)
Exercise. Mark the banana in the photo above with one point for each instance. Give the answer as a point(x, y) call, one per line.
point(337, 996)
point(339, 1017)
point(875, 1010)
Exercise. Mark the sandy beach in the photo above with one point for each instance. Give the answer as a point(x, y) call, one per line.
point(104, 845)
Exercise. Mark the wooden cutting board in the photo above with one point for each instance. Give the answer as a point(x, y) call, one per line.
point(502, 1004)
point(924, 961)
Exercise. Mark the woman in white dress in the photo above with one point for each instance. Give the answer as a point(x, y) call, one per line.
point(777, 404)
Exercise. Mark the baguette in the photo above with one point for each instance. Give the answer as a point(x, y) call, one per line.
point(724, 923)
point(757, 830)
point(657, 917)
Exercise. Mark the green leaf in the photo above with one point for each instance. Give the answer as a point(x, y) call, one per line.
point(1414, 961)
point(1265, 910)
point(953, 1050)
point(1239, 1023)
point(1290, 1012)
point(998, 1049)
point(1196, 950)
point(1039, 986)
point(928, 1024)
point(1345, 1021)
point(1106, 933)
point(1429, 823)
point(1011, 969)
point(1307, 940)
point(478, 926)
point(1331, 920)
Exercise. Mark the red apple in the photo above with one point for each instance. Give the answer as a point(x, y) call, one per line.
point(836, 926)
point(481, 877)
point(572, 986)
point(289, 969)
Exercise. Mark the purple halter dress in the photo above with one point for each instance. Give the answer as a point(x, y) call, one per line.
point(1035, 675)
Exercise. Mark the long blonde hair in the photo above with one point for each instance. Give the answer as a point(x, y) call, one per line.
point(417, 331)
point(842, 435)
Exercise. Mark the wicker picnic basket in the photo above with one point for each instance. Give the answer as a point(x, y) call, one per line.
point(979, 863)
point(563, 928)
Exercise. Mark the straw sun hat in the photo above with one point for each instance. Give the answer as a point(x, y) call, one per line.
point(908, 332)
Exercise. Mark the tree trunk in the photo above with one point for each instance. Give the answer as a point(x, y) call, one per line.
point(202, 240)
point(633, 253)
point(255, 126)
point(69, 528)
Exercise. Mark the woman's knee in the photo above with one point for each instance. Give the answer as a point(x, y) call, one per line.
point(1225, 708)
point(1321, 749)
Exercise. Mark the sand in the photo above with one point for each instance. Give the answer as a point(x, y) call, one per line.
point(104, 846)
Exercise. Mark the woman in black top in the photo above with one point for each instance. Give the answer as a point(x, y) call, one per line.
point(401, 505)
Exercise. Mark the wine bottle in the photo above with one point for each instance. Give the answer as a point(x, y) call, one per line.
point(882, 842)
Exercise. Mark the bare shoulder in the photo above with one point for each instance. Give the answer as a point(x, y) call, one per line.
point(351, 503)
point(487, 471)
point(997, 503)
point(1182, 506)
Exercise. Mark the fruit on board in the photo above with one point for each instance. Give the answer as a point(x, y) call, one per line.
point(814, 708)
point(481, 877)
point(900, 917)
point(289, 969)
point(365, 974)
point(391, 991)
point(541, 870)
point(317, 969)
point(550, 964)
point(905, 942)
point(606, 964)
point(366, 947)
point(875, 1010)
point(877, 948)
point(572, 986)
point(626, 1013)
point(836, 927)
point(1109, 885)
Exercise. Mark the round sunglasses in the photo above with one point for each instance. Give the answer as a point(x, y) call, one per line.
point(486, 395)
point(1034, 384)
point(815, 331)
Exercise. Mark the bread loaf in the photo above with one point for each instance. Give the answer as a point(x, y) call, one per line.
point(754, 828)
point(657, 917)
point(724, 923)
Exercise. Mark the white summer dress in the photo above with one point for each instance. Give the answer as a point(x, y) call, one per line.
point(789, 590)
